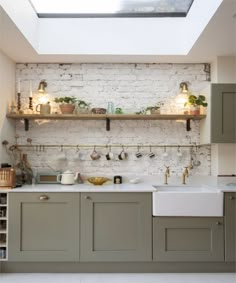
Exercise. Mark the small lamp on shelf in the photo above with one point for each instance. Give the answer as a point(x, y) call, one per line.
point(182, 98)
point(42, 86)
point(43, 99)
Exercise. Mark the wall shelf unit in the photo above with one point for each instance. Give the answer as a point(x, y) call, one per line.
point(3, 226)
point(105, 117)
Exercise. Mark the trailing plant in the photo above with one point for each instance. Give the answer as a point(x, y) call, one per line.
point(83, 104)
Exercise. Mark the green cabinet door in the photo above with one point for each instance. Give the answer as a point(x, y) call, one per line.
point(43, 226)
point(188, 239)
point(230, 227)
point(223, 113)
point(116, 227)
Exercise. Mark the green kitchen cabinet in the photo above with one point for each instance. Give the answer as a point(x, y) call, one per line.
point(188, 239)
point(44, 226)
point(116, 227)
point(230, 226)
point(223, 113)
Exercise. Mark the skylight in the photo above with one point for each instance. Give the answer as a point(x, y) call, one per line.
point(111, 8)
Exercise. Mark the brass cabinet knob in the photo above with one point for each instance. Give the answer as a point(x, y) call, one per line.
point(87, 197)
point(218, 223)
point(231, 197)
point(44, 197)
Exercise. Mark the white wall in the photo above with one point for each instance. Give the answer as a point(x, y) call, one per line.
point(7, 95)
point(130, 86)
point(226, 69)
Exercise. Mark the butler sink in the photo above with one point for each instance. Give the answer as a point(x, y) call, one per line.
point(187, 201)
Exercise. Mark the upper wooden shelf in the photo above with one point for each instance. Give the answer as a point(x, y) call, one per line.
point(106, 117)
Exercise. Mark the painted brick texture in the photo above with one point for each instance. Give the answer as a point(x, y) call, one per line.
point(130, 86)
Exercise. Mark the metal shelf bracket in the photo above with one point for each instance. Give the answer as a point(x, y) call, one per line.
point(26, 122)
point(188, 125)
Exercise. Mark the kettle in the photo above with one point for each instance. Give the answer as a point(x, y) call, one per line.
point(67, 178)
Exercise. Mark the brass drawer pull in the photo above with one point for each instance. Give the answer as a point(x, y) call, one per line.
point(87, 197)
point(231, 197)
point(218, 223)
point(44, 197)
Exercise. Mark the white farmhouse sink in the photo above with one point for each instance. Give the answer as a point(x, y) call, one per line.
point(187, 201)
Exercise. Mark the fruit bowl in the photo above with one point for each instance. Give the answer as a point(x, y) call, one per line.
point(98, 110)
point(98, 180)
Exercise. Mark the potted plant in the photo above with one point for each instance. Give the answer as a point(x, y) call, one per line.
point(83, 107)
point(195, 102)
point(67, 104)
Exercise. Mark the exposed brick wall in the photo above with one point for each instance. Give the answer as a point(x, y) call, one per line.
point(130, 86)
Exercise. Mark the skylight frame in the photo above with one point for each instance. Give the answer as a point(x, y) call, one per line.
point(114, 15)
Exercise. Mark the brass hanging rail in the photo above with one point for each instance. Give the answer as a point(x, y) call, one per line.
point(76, 146)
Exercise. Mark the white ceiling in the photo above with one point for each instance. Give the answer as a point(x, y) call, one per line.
point(218, 39)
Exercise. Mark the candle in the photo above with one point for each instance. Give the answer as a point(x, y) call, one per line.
point(31, 93)
point(18, 86)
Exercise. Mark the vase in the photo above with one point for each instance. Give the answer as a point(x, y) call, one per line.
point(67, 108)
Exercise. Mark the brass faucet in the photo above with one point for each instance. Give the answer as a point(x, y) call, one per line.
point(185, 174)
point(167, 174)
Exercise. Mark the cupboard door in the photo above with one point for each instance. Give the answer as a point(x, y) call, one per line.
point(188, 239)
point(116, 227)
point(223, 113)
point(43, 226)
point(230, 227)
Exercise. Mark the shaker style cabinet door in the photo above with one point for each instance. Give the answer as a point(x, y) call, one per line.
point(223, 113)
point(188, 239)
point(230, 227)
point(43, 226)
point(116, 227)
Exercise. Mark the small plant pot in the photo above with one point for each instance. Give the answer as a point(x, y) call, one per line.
point(195, 110)
point(67, 108)
point(82, 111)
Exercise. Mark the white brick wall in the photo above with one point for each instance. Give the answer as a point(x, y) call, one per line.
point(130, 86)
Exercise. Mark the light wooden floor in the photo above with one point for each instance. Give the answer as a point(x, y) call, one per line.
point(118, 278)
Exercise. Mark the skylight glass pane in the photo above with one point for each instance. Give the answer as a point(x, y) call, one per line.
point(112, 7)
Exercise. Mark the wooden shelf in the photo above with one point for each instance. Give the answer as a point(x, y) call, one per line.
point(106, 117)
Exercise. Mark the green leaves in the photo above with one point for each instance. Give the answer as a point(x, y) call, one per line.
point(194, 100)
point(66, 99)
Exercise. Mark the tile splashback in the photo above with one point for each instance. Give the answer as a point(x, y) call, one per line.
point(130, 86)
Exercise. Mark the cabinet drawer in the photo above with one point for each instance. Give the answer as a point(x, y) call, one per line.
point(188, 239)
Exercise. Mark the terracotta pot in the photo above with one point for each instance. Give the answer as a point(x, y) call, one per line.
point(67, 108)
point(195, 110)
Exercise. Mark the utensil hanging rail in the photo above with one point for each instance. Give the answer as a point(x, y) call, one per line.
point(76, 146)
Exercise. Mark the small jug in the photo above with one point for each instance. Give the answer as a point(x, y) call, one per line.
point(43, 108)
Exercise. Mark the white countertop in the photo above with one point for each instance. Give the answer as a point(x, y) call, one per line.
point(141, 187)
point(145, 185)
point(125, 187)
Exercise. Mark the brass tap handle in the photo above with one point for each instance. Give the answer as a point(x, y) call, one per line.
point(44, 197)
point(185, 174)
point(167, 174)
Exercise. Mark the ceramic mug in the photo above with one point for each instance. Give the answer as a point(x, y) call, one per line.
point(138, 154)
point(95, 155)
point(123, 155)
point(109, 155)
point(43, 108)
point(151, 154)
